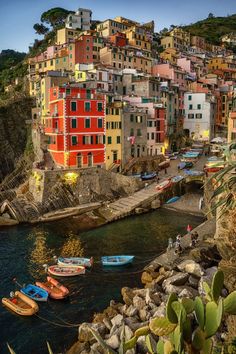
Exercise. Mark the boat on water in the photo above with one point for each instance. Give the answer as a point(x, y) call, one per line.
point(116, 260)
point(62, 271)
point(21, 304)
point(163, 185)
point(75, 261)
point(172, 200)
point(146, 176)
point(34, 292)
point(55, 289)
point(176, 179)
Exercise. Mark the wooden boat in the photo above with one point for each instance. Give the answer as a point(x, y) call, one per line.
point(147, 176)
point(163, 185)
point(75, 261)
point(172, 200)
point(116, 260)
point(62, 271)
point(34, 292)
point(55, 290)
point(21, 304)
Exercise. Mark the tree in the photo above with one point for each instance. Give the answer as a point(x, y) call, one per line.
point(164, 31)
point(211, 15)
point(40, 28)
point(55, 16)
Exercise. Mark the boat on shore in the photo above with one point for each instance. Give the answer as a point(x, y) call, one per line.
point(147, 176)
point(75, 261)
point(62, 271)
point(114, 261)
point(172, 200)
point(35, 293)
point(55, 289)
point(163, 185)
point(21, 304)
point(177, 179)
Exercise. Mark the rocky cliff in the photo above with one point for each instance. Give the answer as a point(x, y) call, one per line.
point(14, 131)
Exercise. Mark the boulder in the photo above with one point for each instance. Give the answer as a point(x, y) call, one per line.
point(134, 324)
point(85, 334)
point(96, 348)
point(169, 288)
point(141, 345)
point(156, 298)
point(191, 267)
point(128, 295)
point(177, 279)
point(131, 311)
point(138, 302)
point(107, 323)
point(141, 292)
point(144, 314)
point(159, 279)
point(117, 320)
point(128, 333)
point(186, 293)
point(193, 281)
point(79, 347)
point(113, 341)
point(146, 278)
point(161, 311)
point(148, 296)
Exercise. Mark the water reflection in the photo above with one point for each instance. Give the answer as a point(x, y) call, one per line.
point(72, 247)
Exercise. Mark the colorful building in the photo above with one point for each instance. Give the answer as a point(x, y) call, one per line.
point(81, 19)
point(76, 127)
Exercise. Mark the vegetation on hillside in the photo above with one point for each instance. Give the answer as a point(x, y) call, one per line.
point(213, 28)
point(9, 58)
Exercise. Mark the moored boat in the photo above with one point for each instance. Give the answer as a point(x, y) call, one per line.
point(75, 261)
point(34, 292)
point(172, 200)
point(163, 185)
point(117, 260)
point(55, 289)
point(21, 304)
point(62, 271)
point(164, 164)
point(193, 173)
point(176, 179)
point(147, 176)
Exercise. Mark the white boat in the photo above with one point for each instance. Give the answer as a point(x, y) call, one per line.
point(75, 261)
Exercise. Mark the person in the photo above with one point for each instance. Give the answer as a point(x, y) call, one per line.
point(170, 244)
point(178, 249)
point(189, 229)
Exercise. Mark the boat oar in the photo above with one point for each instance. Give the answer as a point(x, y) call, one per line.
point(16, 282)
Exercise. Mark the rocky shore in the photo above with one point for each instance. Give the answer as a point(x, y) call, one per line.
point(169, 273)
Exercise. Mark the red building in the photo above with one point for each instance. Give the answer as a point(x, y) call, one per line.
point(160, 114)
point(81, 50)
point(76, 127)
point(118, 39)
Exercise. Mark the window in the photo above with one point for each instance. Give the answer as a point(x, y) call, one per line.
point(100, 106)
point(87, 122)
point(109, 140)
point(74, 123)
point(190, 106)
point(190, 98)
point(100, 122)
point(198, 115)
point(190, 116)
point(70, 57)
point(199, 106)
point(118, 139)
point(139, 119)
point(131, 132)
point(73, 106)
point(67, 91)
point(152, 136)
point(74, 140)
point(87, 106)
point(139, 133)
point(131, 117)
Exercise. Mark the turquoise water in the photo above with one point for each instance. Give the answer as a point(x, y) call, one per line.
point(24, 250)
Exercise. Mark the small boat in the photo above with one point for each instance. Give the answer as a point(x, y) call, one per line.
point(116, 260)
point(193, 173)
point(164, 164)
point(177, 179)
point(75, 261)
point(163, 185)
point(147, 176)
point(55, 290)
point(181, 165)
point(21, 304)
point(35, 292)
point(172, 200)
point(62, 271)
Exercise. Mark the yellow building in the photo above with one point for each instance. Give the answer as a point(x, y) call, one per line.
point(65, 35)
point(171, 55)
point(138, 38)
point(222, 63)
point(114, 136)
point(232, 127)
point(109, 27)
point(181, 35)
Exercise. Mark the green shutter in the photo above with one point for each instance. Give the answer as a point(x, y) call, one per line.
point(118, 139)
point(87, 122)
point(87, 106)
point(74, 140)
point(100, 123)
point(100, 107)
point(73, 106)
point(74, 123)
point(109, 141)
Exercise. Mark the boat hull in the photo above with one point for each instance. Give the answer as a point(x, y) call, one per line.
point(163, 185)
point(117, 261)
point(55, 290)
point(172, 200)
point(61, 271)
point(35, 293)
point(75, 261)
point(23, 306)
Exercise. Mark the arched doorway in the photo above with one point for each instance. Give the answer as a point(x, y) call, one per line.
point(90, 159)
point(79, 160)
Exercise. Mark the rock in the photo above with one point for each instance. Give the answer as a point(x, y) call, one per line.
point(131, 311)
point(85, 334)
point(123, 309)
point(138, 302)
point(193, 281)
point(191, 267)
point(96, 348)
point(128, 333)
point(79, 347)
point(114, 330)
point(169, 288)
point(110, 312)
point(133, 323)
point(144, 314)
point(141, 345)
point(185, 293)
point(148, 297)
point(128, 295)
point(177, 279)
point(113, 341)
point(160, 279)
point(161, 311)
point(117, 320)
point(207, 278)
point(107, 323)
point(141, 292)
point(146, 278)
point(156, 298)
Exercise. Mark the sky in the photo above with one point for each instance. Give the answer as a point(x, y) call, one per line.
point(17, 17)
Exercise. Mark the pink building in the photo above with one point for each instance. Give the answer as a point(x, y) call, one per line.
point(174, 73)
point(187, 65)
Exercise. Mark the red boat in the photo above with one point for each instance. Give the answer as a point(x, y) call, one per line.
point(163, 185)
point(55, 290)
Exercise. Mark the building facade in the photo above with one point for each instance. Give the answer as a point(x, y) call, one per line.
point(81, 19)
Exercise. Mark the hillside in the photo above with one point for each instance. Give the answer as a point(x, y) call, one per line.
point(212, 28)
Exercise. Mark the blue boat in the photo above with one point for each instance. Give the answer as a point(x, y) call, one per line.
point(177, 179)
point(172, 200)
point(114, 261)
point(35, 292)
point(147, 176)
point(193, 173)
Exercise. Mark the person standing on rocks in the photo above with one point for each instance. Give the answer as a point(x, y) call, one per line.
point(189, 229)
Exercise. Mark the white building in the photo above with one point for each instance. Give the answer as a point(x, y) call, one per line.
point(81, 19)
point(199, 115)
